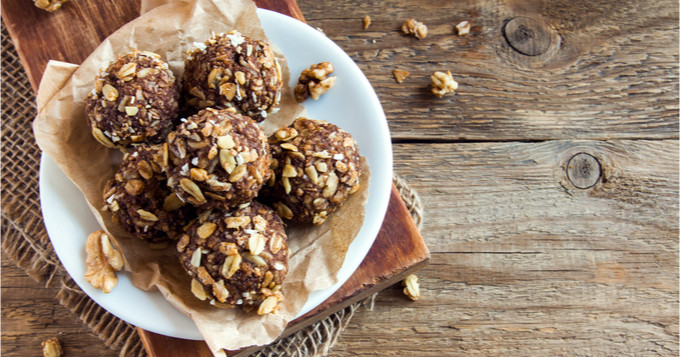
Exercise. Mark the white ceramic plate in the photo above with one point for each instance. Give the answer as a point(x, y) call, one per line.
point(351, 104)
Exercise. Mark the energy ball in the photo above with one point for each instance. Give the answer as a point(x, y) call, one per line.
point(140, 200)
point(316, 167)
point(237, 257)
point(218, 157)
point(233, 71)
point(135, 100)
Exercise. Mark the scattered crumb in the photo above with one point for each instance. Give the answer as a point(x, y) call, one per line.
point(400, 75)
point(443, 83)
point(51, 348)
point(49, 5)
point(415, 28)
point(411, 287)
point(463, 28)
point(367, 21)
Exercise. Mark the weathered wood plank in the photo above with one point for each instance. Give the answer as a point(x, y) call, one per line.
point(31, 314)
point(611, 71)
point(523, 263)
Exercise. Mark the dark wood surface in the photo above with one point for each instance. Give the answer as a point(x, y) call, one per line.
point(524, 262)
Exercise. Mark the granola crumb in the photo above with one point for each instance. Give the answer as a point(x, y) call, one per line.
point(411, 287)
point(314, 81)
point(400, 75)
point(52, 348)
point(367, 21)
point(463, 28)
point(49, 5)
point(415, 28)
point(443, 83)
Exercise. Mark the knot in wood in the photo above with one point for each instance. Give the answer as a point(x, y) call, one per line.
point(583, 170)
point(527, 36)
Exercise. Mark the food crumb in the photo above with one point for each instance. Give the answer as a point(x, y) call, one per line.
point(415, 28)
point(367, 21)
point(52, 348)
point(443, 83)
point(49, 5)
point(463, 28)
point(411, 287)
point(400, 75)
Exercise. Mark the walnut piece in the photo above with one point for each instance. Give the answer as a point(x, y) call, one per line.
point(103, 261)
point(314, 81)
point(443, 83)
point(52, 348)
point(411, 287)
point(400, 75)
point(415, 28)
point(367, 21)
point(463, 28)
point(49, 5)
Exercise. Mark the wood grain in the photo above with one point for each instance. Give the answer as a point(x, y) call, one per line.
point(523, 262)
point(31, 314)
point(526, 265)
point(610, 73)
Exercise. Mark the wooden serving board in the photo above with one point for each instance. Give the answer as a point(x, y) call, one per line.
point(73, 32)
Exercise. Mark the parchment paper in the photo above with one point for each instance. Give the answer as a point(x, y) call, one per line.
point(170, 28)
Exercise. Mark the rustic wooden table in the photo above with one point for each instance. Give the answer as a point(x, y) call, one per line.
point(550, 181)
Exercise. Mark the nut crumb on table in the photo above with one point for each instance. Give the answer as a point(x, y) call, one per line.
point(367, 21)
point(314, 81)
point(415, 28)
point(103, 261)
point(49, 5)
point(400, 75)
point(443, 83)
point(411, 287)
point(463, 28)
point(52, 348)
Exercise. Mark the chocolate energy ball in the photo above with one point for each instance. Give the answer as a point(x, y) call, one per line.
point(233, 71)
point(218, 157)
point(237, 257)
point(316, 167)
point(135, 100)
point(140, 200)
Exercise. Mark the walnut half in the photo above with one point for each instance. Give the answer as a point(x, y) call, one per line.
point(49, 5)
point(103, 261)
point(443, 83)
point(314, 81)
point(52, 348)
point(415, 28)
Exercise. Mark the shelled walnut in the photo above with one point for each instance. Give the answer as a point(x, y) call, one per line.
point(415, 28)
point(314, 81)
point(49, 5)
point(52, 348)
point(411, 287)
point(103, 261)
point(443, 83)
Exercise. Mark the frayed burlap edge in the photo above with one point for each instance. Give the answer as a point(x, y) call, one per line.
point(25, 241)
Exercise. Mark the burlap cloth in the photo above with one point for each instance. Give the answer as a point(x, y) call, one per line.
point(25, 241)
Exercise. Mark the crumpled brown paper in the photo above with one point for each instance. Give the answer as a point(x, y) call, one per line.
point(170, 29)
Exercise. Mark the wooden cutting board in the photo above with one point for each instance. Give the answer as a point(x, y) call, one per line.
point(73, 32)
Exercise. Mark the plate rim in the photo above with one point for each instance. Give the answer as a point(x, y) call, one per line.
point(350, 264)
